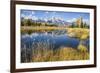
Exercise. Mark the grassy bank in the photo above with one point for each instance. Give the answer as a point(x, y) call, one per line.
point(41, 28)
point(80, 33)
point(30, 29)
point(59, 55)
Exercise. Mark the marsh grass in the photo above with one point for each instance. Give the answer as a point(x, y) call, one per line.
point(45, 54)
point(60, 55)
point(80, 33)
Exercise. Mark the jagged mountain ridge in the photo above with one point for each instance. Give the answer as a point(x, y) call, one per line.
point(54, 20)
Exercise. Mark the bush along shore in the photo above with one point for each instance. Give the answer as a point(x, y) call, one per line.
point(80, 33)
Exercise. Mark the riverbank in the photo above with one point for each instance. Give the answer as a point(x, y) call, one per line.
point(80, 33)
point(63, 54)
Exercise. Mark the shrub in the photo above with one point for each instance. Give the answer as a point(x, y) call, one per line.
point(82, 48)
point(80, 33)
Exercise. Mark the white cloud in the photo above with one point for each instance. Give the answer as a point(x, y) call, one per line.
point(46, 19)
point(58, 18)
point(31, 17)
point(28, 17)
point(46, 12)
point(71, 20)
point(34, 18)
point(33, 13)
point(29, 14)
point(22, 15)
point(74, 19)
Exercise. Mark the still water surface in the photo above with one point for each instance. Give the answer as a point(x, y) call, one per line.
point(54, 39)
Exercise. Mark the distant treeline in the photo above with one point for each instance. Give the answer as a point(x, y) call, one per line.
point(28, 22)
point(83, 25)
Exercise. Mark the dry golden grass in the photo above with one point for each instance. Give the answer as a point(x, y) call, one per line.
point(62, 54)
point(42, 28)
point(81, 33)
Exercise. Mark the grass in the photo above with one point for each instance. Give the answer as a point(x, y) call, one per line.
point(60, 55)
point(43, 52)
point(42, 28)
point(82, 48)
point(80, 33)
point(31, 29)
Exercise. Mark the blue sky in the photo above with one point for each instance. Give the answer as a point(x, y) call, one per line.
point(67, 16)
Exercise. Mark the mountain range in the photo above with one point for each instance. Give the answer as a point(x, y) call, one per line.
point(53, 20)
